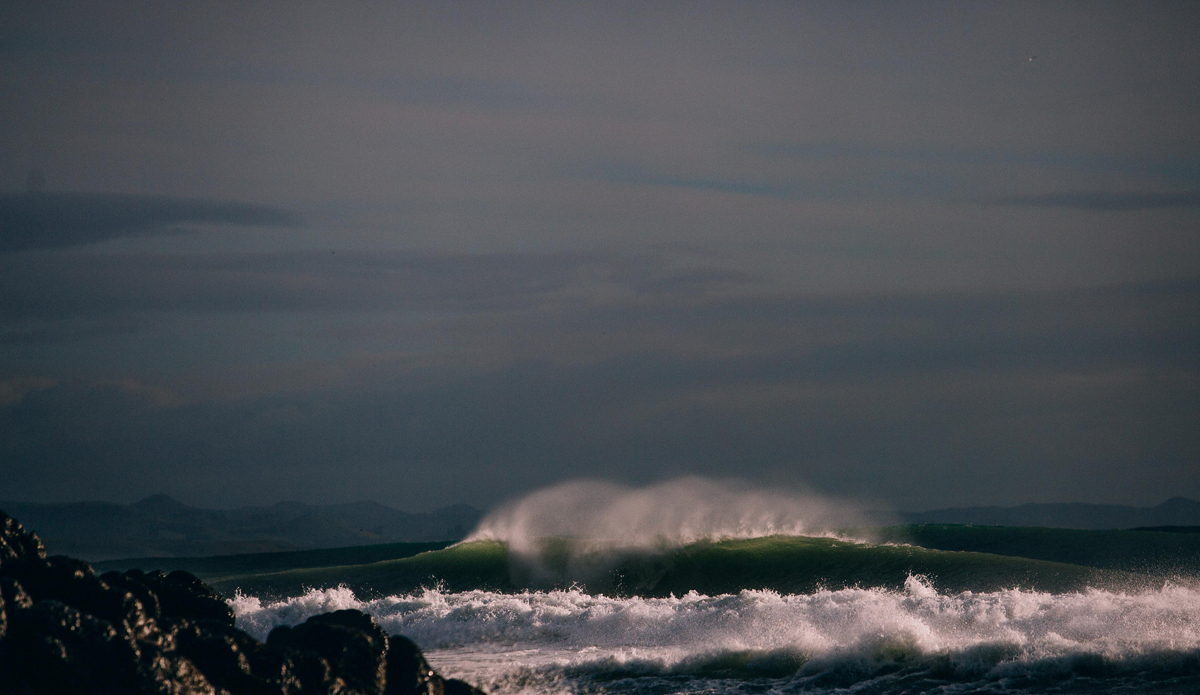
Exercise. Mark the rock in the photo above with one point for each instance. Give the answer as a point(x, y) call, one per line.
point(408, 673)
point(73, 583)
point(127, 582)
point(58, 649)
point(18, 546)
point(171, 674)
point(14, 594)
point(350, 642)
point(233, 660)
point(456, 687)
point(64, 630)
point(182, 595)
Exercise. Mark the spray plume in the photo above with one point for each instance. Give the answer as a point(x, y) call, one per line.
point(579, 530)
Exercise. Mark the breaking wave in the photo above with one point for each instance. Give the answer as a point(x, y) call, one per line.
point(914, 639)
point(673, 513)
point(583, 530)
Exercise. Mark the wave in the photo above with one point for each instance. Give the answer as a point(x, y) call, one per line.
point(786, 564)
point(869, 640)
point(604, 515)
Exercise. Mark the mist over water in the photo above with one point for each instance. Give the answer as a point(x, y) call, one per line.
point(669, 514)
point(580, 531)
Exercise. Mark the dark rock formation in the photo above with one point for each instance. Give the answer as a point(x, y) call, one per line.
point(65, 630)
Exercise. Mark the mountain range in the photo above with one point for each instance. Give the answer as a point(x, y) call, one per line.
point(160, 526)
point(1175, 512)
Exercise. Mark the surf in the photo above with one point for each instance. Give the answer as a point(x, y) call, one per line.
point(697, 587)
point(915, 635)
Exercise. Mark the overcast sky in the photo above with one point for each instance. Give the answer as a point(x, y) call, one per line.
point(921, 254)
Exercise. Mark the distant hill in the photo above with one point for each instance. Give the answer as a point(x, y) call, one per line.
point(1175, 512)
point(256, 563)
point(160, 526)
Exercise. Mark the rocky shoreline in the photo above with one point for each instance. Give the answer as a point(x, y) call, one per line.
point(63, 629)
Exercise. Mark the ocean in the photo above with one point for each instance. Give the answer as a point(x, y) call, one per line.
point(693, 588)
point(914, 639)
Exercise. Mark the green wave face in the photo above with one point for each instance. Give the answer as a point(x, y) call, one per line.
point(785, 564)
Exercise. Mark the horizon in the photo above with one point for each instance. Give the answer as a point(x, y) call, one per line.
point(486, 510)
point(465, 253)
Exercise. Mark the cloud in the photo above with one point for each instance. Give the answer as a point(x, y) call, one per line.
point(52, 220)
point(52, 285)
point(1014, 397)
point(831, 175)
point(1107, 201)
point(474, 93)
point(634, 174)
point(67, 332)
point(694, 282)
point(1182, 169)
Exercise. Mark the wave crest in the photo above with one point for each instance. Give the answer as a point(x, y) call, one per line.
point(672, 513)
point(581, 531)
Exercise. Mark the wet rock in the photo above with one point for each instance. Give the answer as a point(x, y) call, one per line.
point(14, 594)
point(350, 642)
point(64, 630)
point(127, 582)
point(182, 595)
point(139, 607)
point(237, 662)
point(73, 583)
point(408, 673)
point(58, 649)
point(456, 687)
point(171, 674)
point(18, 546)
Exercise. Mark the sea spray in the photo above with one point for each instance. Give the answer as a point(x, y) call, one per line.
point(549, 641)
point(581, 531)
point(675, 513)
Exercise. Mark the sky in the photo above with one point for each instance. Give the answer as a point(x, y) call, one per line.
point(917, 254)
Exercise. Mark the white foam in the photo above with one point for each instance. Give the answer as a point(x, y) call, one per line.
point(532, 641)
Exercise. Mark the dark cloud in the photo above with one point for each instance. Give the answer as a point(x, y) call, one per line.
point(996, 396)
point(1182, 169)
point(481, 94)
point(773, 338)
point(50, 285)
point(1107, 201)
point(629, 173)
point(71, 331)
point(51, 220)
point(887, 286)
point(693, 282)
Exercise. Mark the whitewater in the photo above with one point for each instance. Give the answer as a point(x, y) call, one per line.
point(914, 640)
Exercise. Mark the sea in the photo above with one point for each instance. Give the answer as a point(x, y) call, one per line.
point(704, 588)
point(910, 640)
